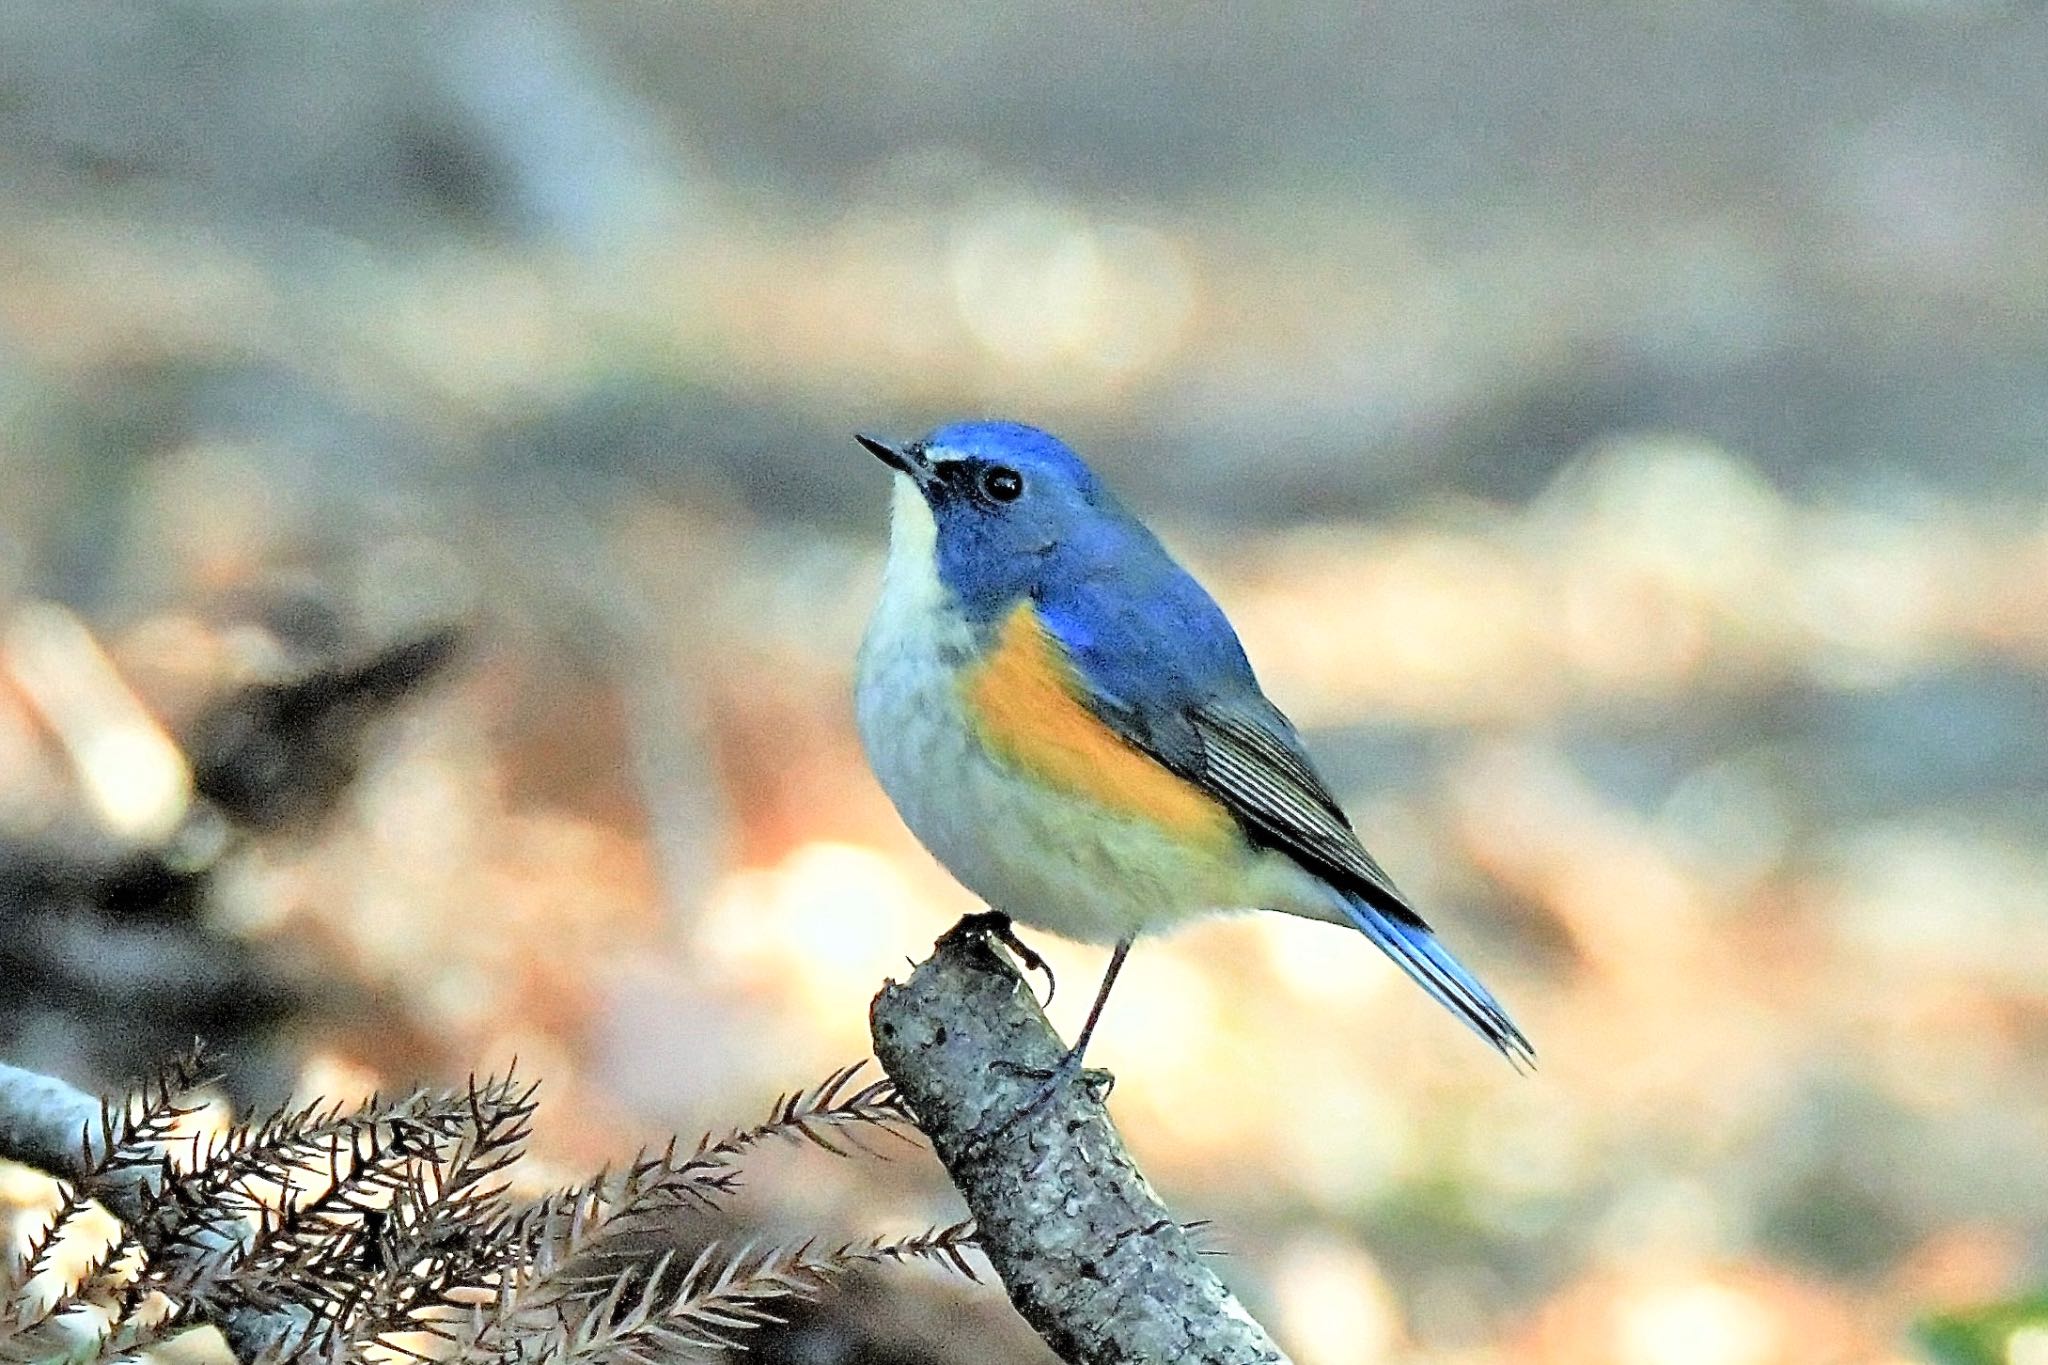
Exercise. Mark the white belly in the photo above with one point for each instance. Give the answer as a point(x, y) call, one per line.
point(1046, 858)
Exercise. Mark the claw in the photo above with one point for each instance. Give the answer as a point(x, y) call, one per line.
point(996, 925)
point(1099, 1084)
point(1036, 1073)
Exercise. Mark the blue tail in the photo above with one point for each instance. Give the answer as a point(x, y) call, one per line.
point(1436, 971)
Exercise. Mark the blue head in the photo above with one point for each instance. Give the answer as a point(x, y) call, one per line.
point(1016, 516)
point(1013, 509)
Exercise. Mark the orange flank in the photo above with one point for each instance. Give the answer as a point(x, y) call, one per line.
point(1022, 698)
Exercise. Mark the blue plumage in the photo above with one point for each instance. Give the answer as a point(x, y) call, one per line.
point(1016, 516)
point(1414, 947)
point(1139, 627)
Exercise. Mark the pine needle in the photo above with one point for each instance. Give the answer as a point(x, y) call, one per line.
point(390, 1224)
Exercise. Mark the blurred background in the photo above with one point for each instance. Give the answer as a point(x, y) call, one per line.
point(1616, 430)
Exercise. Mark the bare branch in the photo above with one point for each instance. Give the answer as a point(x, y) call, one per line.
point(1089, 1255)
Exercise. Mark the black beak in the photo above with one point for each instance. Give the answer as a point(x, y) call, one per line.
point(902, 461)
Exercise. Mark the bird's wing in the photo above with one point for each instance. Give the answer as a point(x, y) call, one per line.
point(1157, 662)
point(1251, 760)
point(1165, 671)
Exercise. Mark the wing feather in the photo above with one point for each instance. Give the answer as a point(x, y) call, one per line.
point(1251, 760)
point(1159, 664)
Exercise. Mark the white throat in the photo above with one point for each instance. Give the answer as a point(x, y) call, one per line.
point(915, 638)
point(910, 580)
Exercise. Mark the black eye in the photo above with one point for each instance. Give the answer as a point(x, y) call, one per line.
point(1001, 483)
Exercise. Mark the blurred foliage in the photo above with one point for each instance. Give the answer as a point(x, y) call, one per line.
point(2013, 1333)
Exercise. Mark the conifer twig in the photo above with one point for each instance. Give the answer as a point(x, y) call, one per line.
point(332, 1232)
point(58, 1129)
point(1090, 1257)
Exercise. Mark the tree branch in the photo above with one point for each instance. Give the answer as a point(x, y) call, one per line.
point(1090, 1257)
point(54, 1127)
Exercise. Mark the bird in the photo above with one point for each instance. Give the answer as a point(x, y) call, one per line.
point(1067, 721)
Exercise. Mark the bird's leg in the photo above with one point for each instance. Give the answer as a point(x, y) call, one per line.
point(1069, 1065)
point(996, 925)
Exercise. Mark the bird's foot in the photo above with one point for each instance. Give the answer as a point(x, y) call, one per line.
point(1099, 1084)
point(997, 925)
